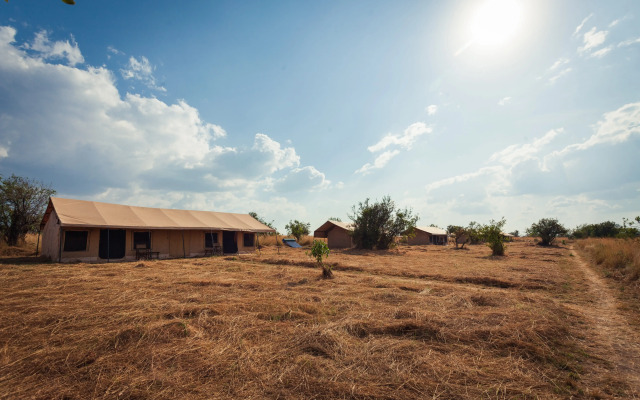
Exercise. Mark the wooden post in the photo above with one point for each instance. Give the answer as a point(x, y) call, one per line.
point(184, 252)
point(60, 246)
point(258, 243)
point(108, 245)
point(38, 243)
point(277, 243)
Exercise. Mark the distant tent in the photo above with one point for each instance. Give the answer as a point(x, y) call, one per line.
point(338, 234)
point(429, 235)
point(79, 230)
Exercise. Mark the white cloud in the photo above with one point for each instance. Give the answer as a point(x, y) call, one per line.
point(141, 70)
point(432, 109)
point(629, 42)
point(55, 50)
point(617, 127)
point(504, 101)
point(277, 157)
point(70, 126)
point(559, 62)
point(579, 27)
point(298, 179)
point(405, 140)
point(515, 154)
point(593, 39)
point(379, 162)
point(552, 80)
point(577, 180)
point(602, 52)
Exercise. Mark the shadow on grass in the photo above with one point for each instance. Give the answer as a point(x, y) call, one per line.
point(23, 260)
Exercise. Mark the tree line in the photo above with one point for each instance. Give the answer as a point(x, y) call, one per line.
point(375, 224)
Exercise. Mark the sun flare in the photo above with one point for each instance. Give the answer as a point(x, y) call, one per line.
point(495, 22)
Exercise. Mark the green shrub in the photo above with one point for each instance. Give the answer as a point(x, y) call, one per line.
point(492, 235)
point(319, 251)
point(548, 229)
point(377, 225)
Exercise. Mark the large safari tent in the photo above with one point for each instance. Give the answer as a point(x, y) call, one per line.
point(429, 235)
point(89, 231)
point(338, 234)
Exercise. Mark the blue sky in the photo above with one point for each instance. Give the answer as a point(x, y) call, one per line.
point(462, 110)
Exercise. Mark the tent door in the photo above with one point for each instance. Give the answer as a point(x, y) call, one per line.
point(112, 243)
point(229, 244)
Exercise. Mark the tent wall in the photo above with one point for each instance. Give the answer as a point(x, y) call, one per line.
point(421, 237)
point(50, 238)
point(168, 243)
point(339, 239)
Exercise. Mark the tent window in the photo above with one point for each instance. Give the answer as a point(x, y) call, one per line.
point(248, 239)
point(210, 239)
point(75, 240)
point(141, 240)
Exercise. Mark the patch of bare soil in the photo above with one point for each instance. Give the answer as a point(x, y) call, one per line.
point(614, 339)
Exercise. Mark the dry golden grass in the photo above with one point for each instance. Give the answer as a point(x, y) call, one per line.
point(620, 258)
point(414, 323)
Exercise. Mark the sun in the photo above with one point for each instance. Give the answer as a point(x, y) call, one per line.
point(495, 22)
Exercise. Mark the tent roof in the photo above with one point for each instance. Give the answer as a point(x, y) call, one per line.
point(329, 225)
point(82, 213)
point(432, 230)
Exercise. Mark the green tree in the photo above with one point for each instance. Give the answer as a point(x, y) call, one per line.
point(460, 235)
point(22, 203)
point(491, 234)
point(298, 229)
point(319, 251)
point(377, 225)
point(548, 229)
point(335, 219)
point(262, 221)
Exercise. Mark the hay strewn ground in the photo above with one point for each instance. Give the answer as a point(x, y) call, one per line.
point(420, 322)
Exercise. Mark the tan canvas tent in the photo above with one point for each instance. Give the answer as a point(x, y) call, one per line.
point(429, 235)
point(337, 234)
point(79, 230)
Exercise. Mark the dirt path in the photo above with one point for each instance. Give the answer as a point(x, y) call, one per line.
point(617, 341)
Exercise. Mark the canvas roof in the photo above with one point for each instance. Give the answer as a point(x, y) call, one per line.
point(432, 230)
point(322, 231)
point(82, 213)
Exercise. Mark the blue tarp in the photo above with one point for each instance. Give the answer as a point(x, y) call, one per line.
point(291, 243)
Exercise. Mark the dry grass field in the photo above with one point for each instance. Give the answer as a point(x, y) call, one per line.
point(421, 322)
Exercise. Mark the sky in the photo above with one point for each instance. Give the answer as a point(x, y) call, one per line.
point(460, 110)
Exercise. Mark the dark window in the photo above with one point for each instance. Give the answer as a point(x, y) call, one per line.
point(210, 239)
point(248, 239)
point(75, 240)
point(141, 240)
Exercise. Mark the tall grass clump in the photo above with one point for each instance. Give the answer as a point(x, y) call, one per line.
point(620, 258)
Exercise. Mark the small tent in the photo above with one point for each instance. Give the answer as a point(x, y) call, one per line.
point(429, 235)
point(89, 231)
point(338, 234)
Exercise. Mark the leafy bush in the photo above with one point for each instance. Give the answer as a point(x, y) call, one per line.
point(459, 233)
point(22, 203)
point(491, 234)
point(377, 225)
point(319, 251)
point(298, 229)
point(548, 229)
